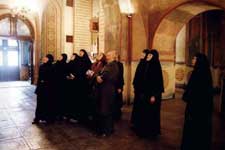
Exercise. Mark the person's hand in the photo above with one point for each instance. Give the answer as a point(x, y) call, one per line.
point(152, 100)
point(99, 79)
point(119, 90)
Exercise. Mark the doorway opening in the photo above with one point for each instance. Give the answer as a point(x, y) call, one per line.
point(16, 49)
point(204, 33)
point(15, 60)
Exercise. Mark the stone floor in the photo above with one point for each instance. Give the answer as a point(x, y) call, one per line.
point(17, 105)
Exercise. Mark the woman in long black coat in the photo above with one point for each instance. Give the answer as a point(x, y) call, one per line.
point(117, 114)
point(84, 66)
point(44, 91)
point(72, 87)
point(149, 100)
point(61, 71)
point(198, 95)
point(137, 84)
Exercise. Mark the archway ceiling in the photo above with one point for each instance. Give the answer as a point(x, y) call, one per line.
point(170, 26)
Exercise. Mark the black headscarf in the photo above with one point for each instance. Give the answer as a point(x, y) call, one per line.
point(73, 65)
point(200, 82)
point(50, 58)
point(137, 82)
point(64, 57)
point(85, 60)
point(76, 57)
point(153, 78)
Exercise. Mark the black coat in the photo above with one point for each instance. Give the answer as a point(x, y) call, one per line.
point(138, 80)
point(61, 72)
point(137, 84)
point(45, 92)
point(119, 96)
point(146, 119)
point(198, 115)
point(71, 102)
point(120, 81)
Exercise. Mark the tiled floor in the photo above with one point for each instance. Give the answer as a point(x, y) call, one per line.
point(17, 105)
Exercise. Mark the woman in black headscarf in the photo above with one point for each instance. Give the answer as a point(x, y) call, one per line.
point(149, 102)
point(137, 84)
point(84, 66)
point(72, 87)
point(45, 91)
point(199, 98)
point(61, 71)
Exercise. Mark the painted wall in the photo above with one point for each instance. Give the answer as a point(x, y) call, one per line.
point(82, 16)
point(113, 31)
point(68, 28)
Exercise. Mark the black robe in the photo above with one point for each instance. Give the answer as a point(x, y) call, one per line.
point(72, 89)
point(82, 82)
point(147, 121)
point(197, 132)
point(106, 97)
point(138, 88)
point(45, 93)
point(61, 72)
point(119, 96)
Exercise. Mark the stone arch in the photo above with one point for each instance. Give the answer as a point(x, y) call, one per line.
point(164, 39)
point(172, 23)
point(25, 20)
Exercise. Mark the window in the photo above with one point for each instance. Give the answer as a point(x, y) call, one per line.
point(5, 27)
point(12, 43)
point(22, 29)
point(1, 43)
point(13, 58)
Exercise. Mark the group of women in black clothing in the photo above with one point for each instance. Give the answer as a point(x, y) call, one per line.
point(84, 91)
point(71, 91)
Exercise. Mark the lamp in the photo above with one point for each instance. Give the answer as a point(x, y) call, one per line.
point(127, 8)
point(22, 8)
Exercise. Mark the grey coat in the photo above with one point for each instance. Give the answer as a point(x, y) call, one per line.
point(107, 89)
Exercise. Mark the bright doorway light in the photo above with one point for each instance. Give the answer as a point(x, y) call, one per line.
point(13, 58)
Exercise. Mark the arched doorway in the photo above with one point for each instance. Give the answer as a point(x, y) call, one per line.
point(165, 40)
point(16, 48)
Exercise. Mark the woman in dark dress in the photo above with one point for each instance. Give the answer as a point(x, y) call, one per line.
point(106, 80)
point(72, 87)
point(198, 95)
point(149, 100)
point(44, 91)
point(117, 113)
point(137, 84)
point(61, 71)
point(84, 66)
point(96, 67)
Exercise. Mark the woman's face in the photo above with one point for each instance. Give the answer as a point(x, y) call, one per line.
point(143, 55)
point(99, 57)
point(194, 60)
point(60, 58)
point(45, 59)
point(73, 57)
point(81, 53)
point(149, 57)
